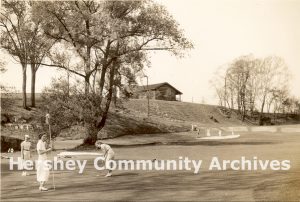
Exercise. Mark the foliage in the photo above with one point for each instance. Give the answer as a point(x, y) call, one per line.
point(23, 39)
point(70, 106)
point(107, 45)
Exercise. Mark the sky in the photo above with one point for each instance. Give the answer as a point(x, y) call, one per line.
point(221, 30)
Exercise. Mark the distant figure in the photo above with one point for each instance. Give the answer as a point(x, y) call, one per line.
point(108, 154)
point(220, 133)
point(42, 171)
point(208, 132)
point(25, 152)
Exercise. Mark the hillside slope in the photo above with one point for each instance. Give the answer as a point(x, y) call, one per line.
point(191, 113)
point(128, 118)
point(121, 121)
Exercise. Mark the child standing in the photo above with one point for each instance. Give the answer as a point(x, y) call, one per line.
point(25, 152)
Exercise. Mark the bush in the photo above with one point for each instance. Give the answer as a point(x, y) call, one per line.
point(72, 106)
point(265, 121)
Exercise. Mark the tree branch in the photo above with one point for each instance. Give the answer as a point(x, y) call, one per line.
point(62, 67)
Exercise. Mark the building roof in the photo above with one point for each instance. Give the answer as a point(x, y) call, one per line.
point(156, 86)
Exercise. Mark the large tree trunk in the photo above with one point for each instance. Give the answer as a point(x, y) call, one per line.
point(33, 78)
point(101, 123)
point(24, 87)
point(101, 83)
point(88, 59)
point(93, 129)
point(115, 95)
point(94, 81)
point(87, 84)
point(87, 74)
point(91, 132)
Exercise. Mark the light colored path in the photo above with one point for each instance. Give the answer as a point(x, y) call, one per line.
point(220, 137)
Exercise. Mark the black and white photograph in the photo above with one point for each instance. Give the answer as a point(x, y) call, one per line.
point(150, 100)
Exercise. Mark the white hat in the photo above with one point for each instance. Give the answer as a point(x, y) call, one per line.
point(27, 136)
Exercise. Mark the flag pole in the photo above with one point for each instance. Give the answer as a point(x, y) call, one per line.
point(48, 122)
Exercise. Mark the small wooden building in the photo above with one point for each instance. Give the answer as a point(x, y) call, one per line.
point(160, 91)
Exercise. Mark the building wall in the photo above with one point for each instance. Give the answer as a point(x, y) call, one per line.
point(143, 95)
point(165, 93)
point(162, 93)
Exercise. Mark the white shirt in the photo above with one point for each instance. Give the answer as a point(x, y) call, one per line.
point(25, 146)
point(106, 149)
point(41, 146)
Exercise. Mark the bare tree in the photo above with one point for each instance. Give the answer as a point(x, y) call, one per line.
point(253, 83)
point(237, 78)
point(271, 72)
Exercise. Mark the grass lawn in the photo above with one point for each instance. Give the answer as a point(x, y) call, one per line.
point(228, 185)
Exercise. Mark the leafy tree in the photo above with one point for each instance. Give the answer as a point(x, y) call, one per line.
point(23, 40)
point(38, 49)
point(14, 35)
point(110, 41)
